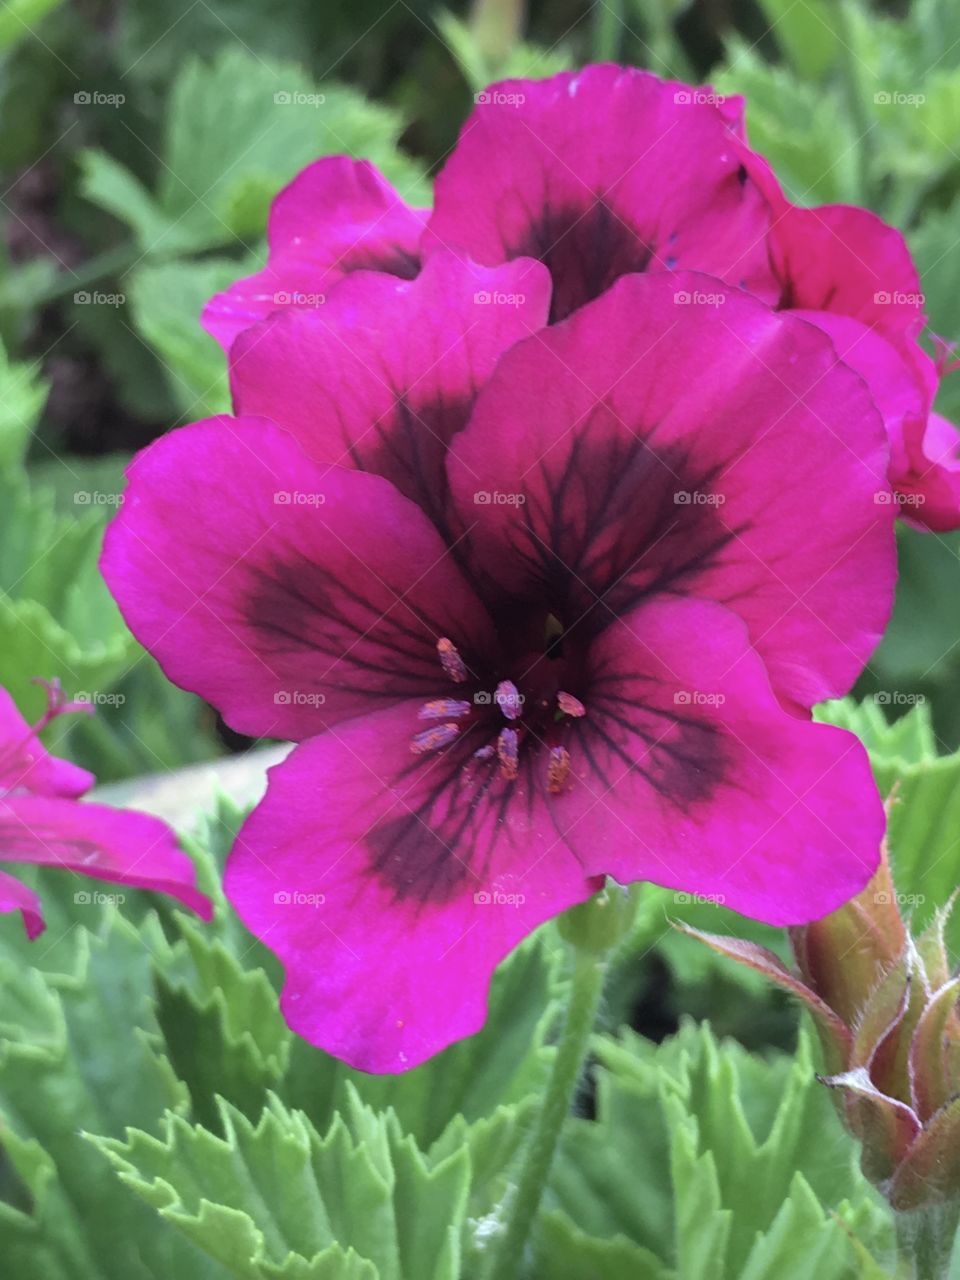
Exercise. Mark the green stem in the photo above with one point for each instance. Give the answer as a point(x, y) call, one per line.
point(925, 1239)
point(607, 29)
point(496, 26)
point(585, 992)
point(863, 121)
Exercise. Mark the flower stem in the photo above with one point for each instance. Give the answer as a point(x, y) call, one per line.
point(585, 992)
point(925, 1239)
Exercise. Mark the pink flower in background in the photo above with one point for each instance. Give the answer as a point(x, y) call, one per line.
point(537, 609)
point(41, 823)
point(600, 173)
point(847, 272)
point(338, 216)
point(673, 186)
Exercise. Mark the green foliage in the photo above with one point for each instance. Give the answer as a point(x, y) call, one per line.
point(57, 618)
point(157, 1050)
point(167, 300)
point(806, 129)
point(19, 18)
point(707, 1161)
point(924, 822)
point(276, 1199)
point(22, 396)
point(220, 168)
point(481, 67)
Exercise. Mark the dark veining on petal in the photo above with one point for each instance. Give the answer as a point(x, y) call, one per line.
point(298, 606)
point(586, 249)
point(408, 447)
point(620, 521)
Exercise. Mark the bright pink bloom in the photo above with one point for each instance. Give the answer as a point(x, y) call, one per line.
point(673, 186)
point(603, 172)
point(42, 823)
point(846, 271)
point(523, 636)
point(339, 215)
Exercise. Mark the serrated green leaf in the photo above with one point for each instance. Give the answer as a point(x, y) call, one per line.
point(221, 1026)
point(735, 1131)
point(563, 1252)
point(924, 820)
point(22, 397)
point(82, 1059)
point(167, 300)
point(267, 1191)
point(908, 739)
point(57, 618)
point(220, 169)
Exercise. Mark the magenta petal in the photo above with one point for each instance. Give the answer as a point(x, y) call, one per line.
point(599, 173)
point(686, 771)
point(933, 452)
point(386, 373)
point(110, 844)
point(339, 215)
point(390, 888)
point(674, 438)
point(26, 765)
point(287, 594)
point(16, 896)
point(846, 260)
point(924, 448)
point(839, 258)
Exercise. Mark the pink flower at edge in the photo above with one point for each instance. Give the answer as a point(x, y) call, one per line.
point(673, 186)
point(337, 216)
point(531, 182)
point(42, 823)
point(849, 273)
point(536, 609)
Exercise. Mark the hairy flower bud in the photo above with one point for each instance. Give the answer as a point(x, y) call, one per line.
point(885, 1007)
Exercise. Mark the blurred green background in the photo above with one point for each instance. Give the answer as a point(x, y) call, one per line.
point(142, 145)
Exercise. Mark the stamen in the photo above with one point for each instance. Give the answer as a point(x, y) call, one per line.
point(558, 770)
point(453, 665)
point(441, 735)
point(508, 699)
point(443, 709)
point(569, 705)
point(507, 753)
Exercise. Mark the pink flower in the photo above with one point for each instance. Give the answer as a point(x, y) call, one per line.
point(42, 823)
point(673, 186)
point(846, 271)
point(536, 610)
point(339, 215)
